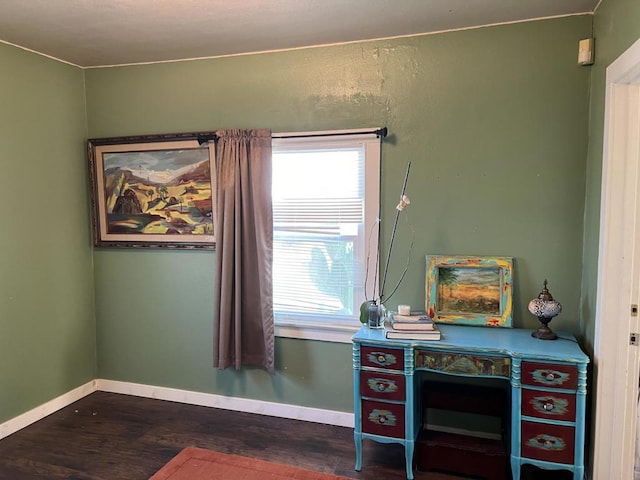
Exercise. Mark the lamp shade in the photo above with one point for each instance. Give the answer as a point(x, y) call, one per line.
point(544, 305)
point(545, 308)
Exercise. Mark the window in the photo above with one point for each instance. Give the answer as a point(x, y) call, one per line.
point(325, 195)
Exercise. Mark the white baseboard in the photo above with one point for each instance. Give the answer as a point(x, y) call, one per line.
point(46, 409)
point(295, 412)
point(273, 409)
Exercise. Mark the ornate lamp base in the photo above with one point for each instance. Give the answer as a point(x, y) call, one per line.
point(544, 332)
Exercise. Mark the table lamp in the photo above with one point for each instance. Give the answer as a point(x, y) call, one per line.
point(545, 308)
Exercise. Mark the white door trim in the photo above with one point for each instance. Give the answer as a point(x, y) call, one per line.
point(616, 362)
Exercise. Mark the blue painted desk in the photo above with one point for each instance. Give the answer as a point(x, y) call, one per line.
point(548, 389)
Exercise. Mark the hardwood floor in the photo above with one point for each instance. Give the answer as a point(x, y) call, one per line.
point(108, 436)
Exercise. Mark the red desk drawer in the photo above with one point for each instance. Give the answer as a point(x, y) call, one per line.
point(387, 386)
point(551, 443)
point(390, 358)
point(550, 405)
point(380, 418)
point(550, 375)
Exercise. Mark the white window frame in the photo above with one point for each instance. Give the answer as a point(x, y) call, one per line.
point(341, 332)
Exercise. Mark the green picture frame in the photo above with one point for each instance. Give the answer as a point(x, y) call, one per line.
point(470, 290)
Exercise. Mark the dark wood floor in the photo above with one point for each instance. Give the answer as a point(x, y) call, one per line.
point(107, 436)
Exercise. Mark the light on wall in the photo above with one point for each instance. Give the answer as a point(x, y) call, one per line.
point(585, 51)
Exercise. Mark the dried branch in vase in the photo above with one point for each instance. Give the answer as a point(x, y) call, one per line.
point(372, 310)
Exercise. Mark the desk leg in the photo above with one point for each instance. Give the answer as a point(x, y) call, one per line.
point(357, 405)
point(357, 437)
point(516, 402)
point(578, 473)
point(408, 456)
point(410, 409)
point(515, 469)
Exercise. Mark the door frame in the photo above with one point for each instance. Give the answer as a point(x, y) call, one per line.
point(616, 361)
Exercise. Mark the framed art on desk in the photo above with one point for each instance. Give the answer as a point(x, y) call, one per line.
point(470, 290)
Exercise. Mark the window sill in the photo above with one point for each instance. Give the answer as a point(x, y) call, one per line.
point(324, 333)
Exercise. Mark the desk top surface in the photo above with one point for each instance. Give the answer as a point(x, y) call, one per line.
point(513, 342)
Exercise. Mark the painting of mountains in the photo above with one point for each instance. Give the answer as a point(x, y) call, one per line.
point(158, 192)
point(152, 191)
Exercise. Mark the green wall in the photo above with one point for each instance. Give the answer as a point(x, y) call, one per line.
point(616, 28)
point(494, 120)
point(503, 129)
point(47, 344)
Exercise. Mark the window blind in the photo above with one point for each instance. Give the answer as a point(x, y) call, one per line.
point(319, 216)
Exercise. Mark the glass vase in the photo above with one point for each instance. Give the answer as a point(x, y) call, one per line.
point(377, 314)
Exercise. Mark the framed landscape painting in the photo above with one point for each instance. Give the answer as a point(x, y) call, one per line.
point(153, 191)
point(470, 290)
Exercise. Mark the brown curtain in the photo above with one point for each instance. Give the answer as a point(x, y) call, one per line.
point(243, 310)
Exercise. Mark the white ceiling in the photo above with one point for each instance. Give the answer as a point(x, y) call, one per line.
point(91, 33)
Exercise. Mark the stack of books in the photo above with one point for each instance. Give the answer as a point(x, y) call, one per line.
point(412, 327)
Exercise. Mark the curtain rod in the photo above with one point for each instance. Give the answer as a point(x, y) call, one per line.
point(381, 132)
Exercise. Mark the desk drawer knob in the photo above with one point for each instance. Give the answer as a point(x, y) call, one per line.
point(382, 385)
point(552, 378)
point(383, 359)
point(546, 406)
point(547, 442)
point(383, 417)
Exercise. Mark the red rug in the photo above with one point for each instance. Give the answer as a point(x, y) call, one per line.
point(199, 464)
